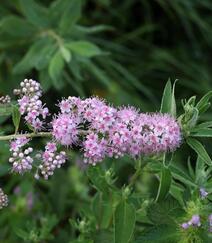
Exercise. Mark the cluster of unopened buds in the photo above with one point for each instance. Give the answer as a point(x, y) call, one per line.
point(3, 199)
point(30, 104)
point(5, 99)
point(99, 130)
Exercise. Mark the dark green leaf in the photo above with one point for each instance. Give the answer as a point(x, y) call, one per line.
point(17, 27)
point(124, 222)
point(35, 56)
point(70, 16)
point(161, 234)
point(35, 13)
point(5, 110)
point(165, 183)
point(200, 150)
point(96, 175)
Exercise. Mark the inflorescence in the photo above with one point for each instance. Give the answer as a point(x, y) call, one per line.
point(99, 130)
point(3, 199)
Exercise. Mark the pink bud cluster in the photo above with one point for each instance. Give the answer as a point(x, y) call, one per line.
point(3, 199)
point(113, 132)
point(51, 159)
point(30, 104)
point(20, 156)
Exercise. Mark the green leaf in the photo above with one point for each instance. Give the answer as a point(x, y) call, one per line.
point(17, 27)
point(161, 234)
point(55, 68)
point(84, 48)
point(16, 117)
point(203, 132)
point(96, 175)
point(103, 209)
point(35, 13)
point(167, 101)
point(37, 56)
point(182, 176)
point(204, 102)
point(199, 149)
point(165, 183)
point(103, 236)
point(70, 16)
point(5, 110)
point(65, 53)
point(124, 222)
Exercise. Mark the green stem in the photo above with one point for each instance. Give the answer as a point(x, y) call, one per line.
point(27, 135)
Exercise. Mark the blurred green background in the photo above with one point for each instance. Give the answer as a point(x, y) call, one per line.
point(123, 51)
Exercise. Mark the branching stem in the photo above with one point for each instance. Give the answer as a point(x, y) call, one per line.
point(28, 135)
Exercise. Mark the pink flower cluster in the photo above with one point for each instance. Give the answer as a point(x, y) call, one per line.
point(30, 104)
point(195, 221)
point(51, 160)
point(3, 199)
point(20, 159)
point(113, 132)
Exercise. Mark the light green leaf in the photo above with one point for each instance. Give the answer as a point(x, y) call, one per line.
point(203, 132)
point(202, 105)
point(199, 149)
point(55, 68)
point(165, 183)
point(124, 222)
point(16, 117)
point(167, 102)
point(84, 48)
point(65, 53)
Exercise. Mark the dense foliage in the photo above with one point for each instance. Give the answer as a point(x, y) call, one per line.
point(123, 51)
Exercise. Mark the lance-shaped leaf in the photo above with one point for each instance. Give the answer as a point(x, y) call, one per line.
point(124, 222)
point(165, 183)
point(200, 150)
point(16, 117)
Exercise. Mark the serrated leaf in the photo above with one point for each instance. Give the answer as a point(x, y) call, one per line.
point(96, 176)
point(199, 149)
point(124, 222)
point(84, 48)
point(16, 117)
point(165, 183)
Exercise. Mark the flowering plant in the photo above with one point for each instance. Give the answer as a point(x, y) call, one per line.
point(101, 131)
